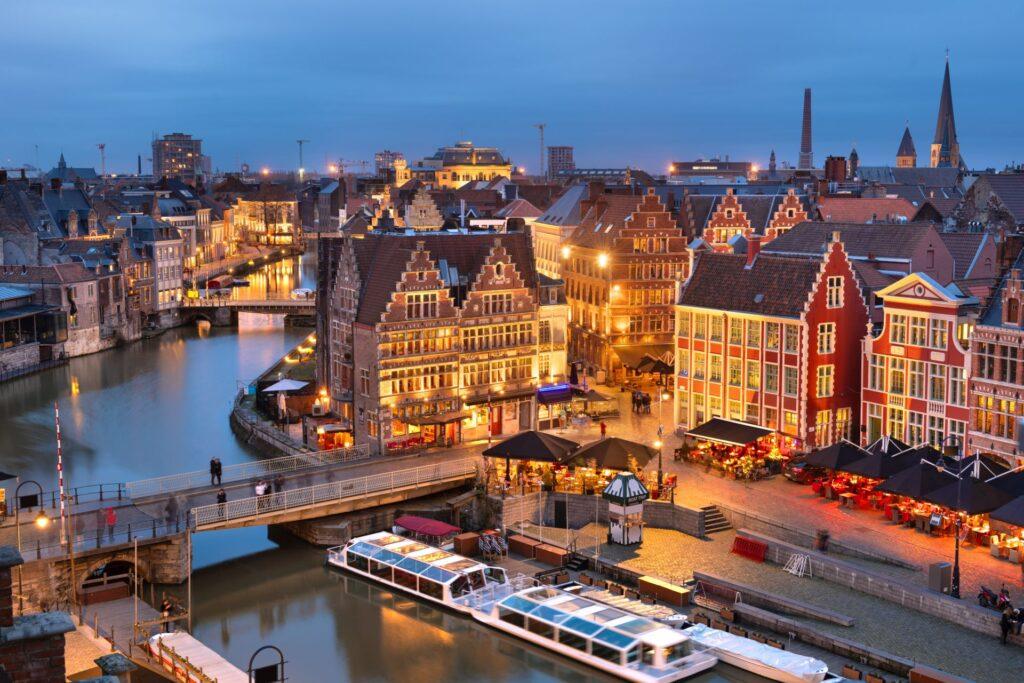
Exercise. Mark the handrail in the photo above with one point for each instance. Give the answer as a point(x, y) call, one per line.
point(333, 491)
point(245, 471)
point(78, 494)
point(206, 302)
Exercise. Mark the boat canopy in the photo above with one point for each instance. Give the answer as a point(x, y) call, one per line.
point(426, 527)
point(803, 667)
point(589, 619)
point(414, 557)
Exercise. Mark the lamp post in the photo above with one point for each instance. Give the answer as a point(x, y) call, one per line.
point(41, 522)
point(951, 448)
point(662, 396)
point(270, 673)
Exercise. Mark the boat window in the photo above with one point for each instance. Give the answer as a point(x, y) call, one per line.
point(408, 548)
point(495, 575)
point(380, 570)
point(434, 556)
point(357, 561)
point(459, 565)
point(404, 578)
point(366, 549)
point(677, 651)
point(633, 654)
point(614, 638)
point(583, 626)
point(606, 615)
point(649, 654)
point(552, 615)
point(412, 565)
point(517, 603)
point(511, 617)
point(387, 540)
point(574, 604)
point(637, 626)
point(476, 579)
point(431, 589)
point(541, 628)
point(572, 640)
point(460, 587)
point(388, 556)
point(605, 652)
point(542, 594)
point(438, 574)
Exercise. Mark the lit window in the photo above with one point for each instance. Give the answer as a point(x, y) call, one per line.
point(825, 384)
point(826, 337)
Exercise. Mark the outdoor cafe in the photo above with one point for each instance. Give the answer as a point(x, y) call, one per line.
point(738, 450)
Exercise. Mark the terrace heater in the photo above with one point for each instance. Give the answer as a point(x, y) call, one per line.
point(625, 495)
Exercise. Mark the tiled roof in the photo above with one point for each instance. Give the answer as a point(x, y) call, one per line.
point(270, 192)
point(63, 273)
point(381, 260)
point(964, 247)
point(1009, 187)
point(992, 316)
point(697, 209)
point(604, 220)
point(914, 175)
point(519, 208)
point(880, 240)
point(944, 206)
point(772, 285)
point(864, 209)
point(870, 277)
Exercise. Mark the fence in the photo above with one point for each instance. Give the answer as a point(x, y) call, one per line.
point(79, 494)
point(334, 491)
point(86, 540)
point(245, 471)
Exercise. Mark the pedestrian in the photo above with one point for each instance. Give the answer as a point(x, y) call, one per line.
point(259, 489)
point(220, 470)
point(213, 471)
point(1018, 617)
point(278, 483)
point(604, 429)
point(1006, 622)
point(111, 522)
point(222, 499)
point(166, 607)
point(266, 494)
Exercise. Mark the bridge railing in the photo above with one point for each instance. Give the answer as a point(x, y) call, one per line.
point(271, 302)
point(32, 499)
point(90, 537)
point(333, 491)
point(245, 471)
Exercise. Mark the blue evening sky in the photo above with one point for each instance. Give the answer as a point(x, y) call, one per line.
point(637, 83)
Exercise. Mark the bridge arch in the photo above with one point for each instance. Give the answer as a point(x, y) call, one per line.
point(116, 565)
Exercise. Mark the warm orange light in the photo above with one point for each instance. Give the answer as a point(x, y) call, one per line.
point(42, 521)
point(265, 171)
point(602, 260)
point(565, 252)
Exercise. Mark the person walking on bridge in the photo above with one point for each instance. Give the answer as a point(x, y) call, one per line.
point(111, 523)
point(216, 470)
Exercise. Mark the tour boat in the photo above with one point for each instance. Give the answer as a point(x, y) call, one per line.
point(622, 644)
point(758, 658)
point(422, 570)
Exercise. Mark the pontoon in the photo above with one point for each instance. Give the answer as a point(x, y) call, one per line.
point(763, 660)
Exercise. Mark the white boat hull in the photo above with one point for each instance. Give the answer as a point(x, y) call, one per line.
point(462, 609)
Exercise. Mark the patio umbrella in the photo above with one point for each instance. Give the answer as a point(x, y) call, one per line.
point(1011, 483)
point(613, 453)
point(592, 395)
point(887, 445)
point(646, 364)
point(1011, 513)
point(661, 367)
point(879, 466)
point(916, 481)
point(533, 445)
point(285, 385)
point(837, 456)
point(975, 496)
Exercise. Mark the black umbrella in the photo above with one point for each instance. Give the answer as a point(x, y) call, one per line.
point(1011, 483)
point(661, 367)
point(837, 456)
point(974, 497)
point(646, 364)
point(1011, 513)
point(4, 476)
point(879, 466)
point(613, 453)
point(887, 445)
point(574, 377)
point(533, 445)
point(916, 481)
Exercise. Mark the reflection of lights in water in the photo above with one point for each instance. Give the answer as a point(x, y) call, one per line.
point(74, 385)
point(203, 328)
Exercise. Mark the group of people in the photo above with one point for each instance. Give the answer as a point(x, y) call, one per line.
point(263, 488)
point(641, 402)
point(216, 471)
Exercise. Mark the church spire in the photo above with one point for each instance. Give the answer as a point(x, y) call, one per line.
point(906, 155)
point(945, 149)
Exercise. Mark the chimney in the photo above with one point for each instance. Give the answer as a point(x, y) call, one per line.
point(806, 157)
point(753, 249)
point(836, 237)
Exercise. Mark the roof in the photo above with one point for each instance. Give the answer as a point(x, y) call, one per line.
point(906, 145)
point(1009, 187)
point(625, 489)
point(945, 124)
point(880, 240)
point(605, 218)
point(518, 208)
point(943, 206)
point(11, 293)
point(864, 209)
point(697, 209)
point(382, 258)
point(772, 285)
point(270, 192)
point(566, 209)
point(993, 313)
point(60, 273)
point(913, 175)
point(467, 153)
point(964, 248)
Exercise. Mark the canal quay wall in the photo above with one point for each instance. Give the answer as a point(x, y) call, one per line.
point(826, 568)
point(539, 508)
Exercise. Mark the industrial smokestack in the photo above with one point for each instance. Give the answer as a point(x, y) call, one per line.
point(806, 157)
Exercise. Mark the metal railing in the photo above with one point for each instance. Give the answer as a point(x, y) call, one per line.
point(206, 302)
point(174, 483)
point(333, 491)
point(88, 540)
point(77, 495)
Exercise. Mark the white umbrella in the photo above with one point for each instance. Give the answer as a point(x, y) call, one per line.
point(286, 385)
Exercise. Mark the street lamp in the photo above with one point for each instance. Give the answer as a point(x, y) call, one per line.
point(951, 448)
point(662, 397)
point(41, 522)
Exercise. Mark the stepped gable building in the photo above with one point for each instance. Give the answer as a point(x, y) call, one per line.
point(997, 372)
point(906, 155)
point(771, 340)
point(914, 383)
point(719, 218)
point(620, 271)
point(435, 338)
point(421, 213)
point(945, 150)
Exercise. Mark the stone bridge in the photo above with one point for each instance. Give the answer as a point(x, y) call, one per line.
point(223, 311)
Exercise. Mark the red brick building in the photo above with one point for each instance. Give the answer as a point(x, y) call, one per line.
point(771, 340)
point(915, 369)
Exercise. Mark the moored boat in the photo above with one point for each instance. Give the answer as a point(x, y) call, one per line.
point(758, 658)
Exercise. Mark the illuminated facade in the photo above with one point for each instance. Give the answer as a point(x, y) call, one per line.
point(268, 216)
point(914, 372)
point(436, 338)
point(621, 267)
point(453, 167)
point(773, 341)
point(178, 156)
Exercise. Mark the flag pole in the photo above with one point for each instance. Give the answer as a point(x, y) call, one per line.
point(60, 476)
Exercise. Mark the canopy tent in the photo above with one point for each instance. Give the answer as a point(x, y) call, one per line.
point(729, 432)
point(1011, 513)
point(625, 489)
point(887, 445)
point(613, 453)
point(660, 367)
point(970, 495)
point(916, 481)
point(533, 445)
point(1011, 482)
point(837, 456)
point(878, 465)
point(285, 385)
point(426, 527)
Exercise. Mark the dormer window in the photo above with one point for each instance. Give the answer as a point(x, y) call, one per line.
point(790, 213)
point(728, 213)
point(651, 221)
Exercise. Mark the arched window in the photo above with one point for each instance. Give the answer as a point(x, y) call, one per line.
point(497, 270)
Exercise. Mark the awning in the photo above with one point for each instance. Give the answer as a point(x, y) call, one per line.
point(729, 432)
point(917, 481)
point(969, 495)
point(554, 393)
point(1011, 513)
point(498, 398)
point(625, 489)
point(632, 356)
point(437, 418)
point(24, 311)
point(425, 526)
point(285, 385)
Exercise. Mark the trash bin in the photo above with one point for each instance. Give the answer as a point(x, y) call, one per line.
point(940, 576)
point(821, 540)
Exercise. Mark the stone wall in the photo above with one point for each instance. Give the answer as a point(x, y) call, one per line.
point(963, 612)
point(665, 515)
point(19, 358)
point(539, 508)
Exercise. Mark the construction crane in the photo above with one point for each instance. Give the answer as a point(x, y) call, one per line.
point(540, 127)
point(344, 164)
point(103, 158)
point(302, 168)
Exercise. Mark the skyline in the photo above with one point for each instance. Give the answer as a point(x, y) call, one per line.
point(323, 75)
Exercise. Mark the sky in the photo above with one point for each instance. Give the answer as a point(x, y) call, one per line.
point(625, 83)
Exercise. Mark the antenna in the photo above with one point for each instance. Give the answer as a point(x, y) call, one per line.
point(103, 158)
point(302, 169)
point(540, 127)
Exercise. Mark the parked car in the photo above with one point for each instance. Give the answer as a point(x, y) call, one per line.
point(800, 472)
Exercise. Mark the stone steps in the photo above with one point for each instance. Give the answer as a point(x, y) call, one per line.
point(714, 520)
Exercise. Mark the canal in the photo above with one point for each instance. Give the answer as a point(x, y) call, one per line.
point(161, 406)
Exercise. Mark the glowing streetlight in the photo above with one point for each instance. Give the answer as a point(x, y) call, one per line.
point(602, 259)
point(42, 521)
point(565, 252)
point(265, 171)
